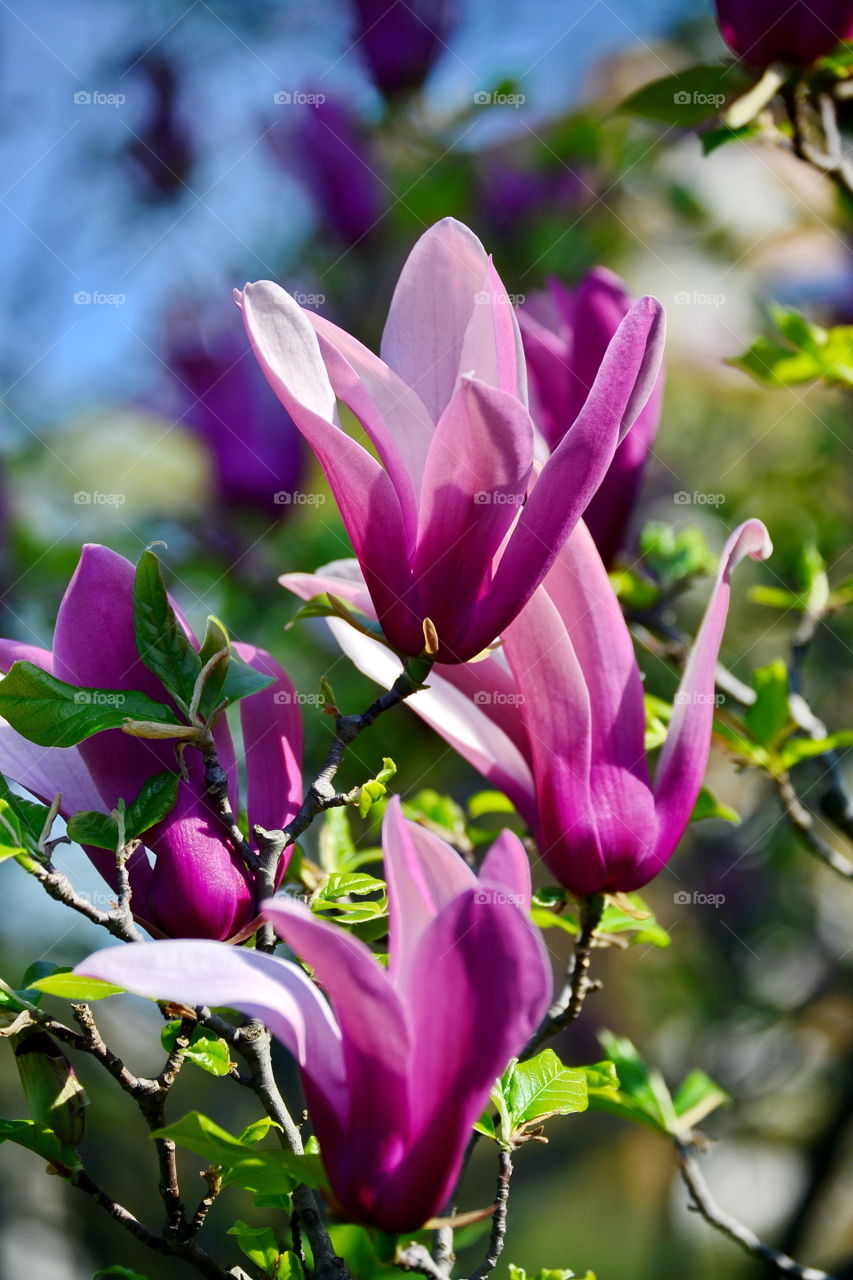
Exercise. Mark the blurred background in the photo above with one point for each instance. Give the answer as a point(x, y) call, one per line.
point(157, 155)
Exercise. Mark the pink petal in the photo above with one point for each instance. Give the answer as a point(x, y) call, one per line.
point(272, 746)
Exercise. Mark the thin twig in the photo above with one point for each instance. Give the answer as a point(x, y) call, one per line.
point(703, 1203)
point(569, 1002)
point(417, 1257)
point(804, 825)
point(498, 1233)
point(57, 886)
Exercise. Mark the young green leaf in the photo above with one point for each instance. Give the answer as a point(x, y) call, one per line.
point(258, 1244)
point(156, 799)
point(54, 714)
point(73, 986)
point(770, 714)
point(691, 96)
point(544, 1087)
point(205, 1050)
point(265, 1172)
point(161, 641)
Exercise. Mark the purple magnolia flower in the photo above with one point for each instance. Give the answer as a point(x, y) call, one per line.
point(556, 719)
point(195, 886)
point(330, 153)
point(401, 1065)
point(401, 39)
point(798, 31)
point(216, 391)
point(565, 334)
point(161, 151)
point(444, 526)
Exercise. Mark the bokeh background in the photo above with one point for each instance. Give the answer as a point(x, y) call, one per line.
point(155, 156)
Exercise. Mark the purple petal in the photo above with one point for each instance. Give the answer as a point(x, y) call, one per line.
point(476, 477)
point(506, 866)
point(574, 471)
point(431, 310)
point(424, 874)
point(272, 746)
point(289, 354)
point(260, 986)
point(682, 762)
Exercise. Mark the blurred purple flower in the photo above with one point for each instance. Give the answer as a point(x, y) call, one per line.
point(160, 153)
point(566, 334)
point(330, 152)
point(217, 391)
point(401, 40)
point(798, 31)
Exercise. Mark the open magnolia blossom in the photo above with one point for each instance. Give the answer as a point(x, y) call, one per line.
point(556, 718)
point(566, 333)
point(446, 526)
point(194, 886)
point(400, 1066)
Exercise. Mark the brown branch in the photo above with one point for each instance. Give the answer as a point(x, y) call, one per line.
point(703, 1203)
point(569, 1003)
point(804, 826)
point(56, 885)
point(498, 1233)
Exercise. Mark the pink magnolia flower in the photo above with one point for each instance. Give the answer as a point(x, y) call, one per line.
point(798, 31)
point(195, 886)
point(398, 1069)
point(556, 718)
point(445, 525)
point(565, 334)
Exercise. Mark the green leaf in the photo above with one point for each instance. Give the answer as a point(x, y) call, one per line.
point(770, 715)
point(601, 1078)
point(697, 1097)
point(74, 986)
point(120, 1273)
point(205, 1050)
point(38, 1138)
point(161, 641)
point(797, 749)
point(11, 851)
point(156, 799)
point(486, 802)
point(338, 886)
point(265, 1172)
point(642, 1094)
point(289, 1267)
point(257, 1130)
point(28, 817)
point(258, 1244)
point(672, 557)
point(812, 353)
point(708, 806)
point(689, 97)
point(241, 680)
point(326, 605)
point(543, 1087)
point(712, 139)
point(54, 714)
point(441, 813)
point(637, 920)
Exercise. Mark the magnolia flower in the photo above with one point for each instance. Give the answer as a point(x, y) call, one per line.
point(798, 31)
point(565, 334)
point(400, 1066)
point(400, 42)
point(556, 719)
point(195, 886)
point(446, 527)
